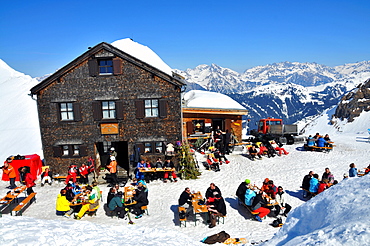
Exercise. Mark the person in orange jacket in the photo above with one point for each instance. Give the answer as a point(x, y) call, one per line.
point(10, 172)
point(113, 171)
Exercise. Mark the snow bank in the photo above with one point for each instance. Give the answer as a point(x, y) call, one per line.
point(338, 216)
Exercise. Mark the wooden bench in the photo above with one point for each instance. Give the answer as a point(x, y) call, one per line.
point(325, 149)
point(248, 208)
point(309, 192)
point(182, 220)
point(22, 205)
point(60, 178)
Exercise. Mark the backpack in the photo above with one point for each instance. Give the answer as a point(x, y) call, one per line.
point(216, 238)
point(277, 223)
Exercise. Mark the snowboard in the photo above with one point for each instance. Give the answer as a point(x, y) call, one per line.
point(236, 240)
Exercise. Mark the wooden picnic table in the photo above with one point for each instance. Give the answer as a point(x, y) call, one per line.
point(153, 170)
point(10, 197)
point(129, 195)
point(197, 208)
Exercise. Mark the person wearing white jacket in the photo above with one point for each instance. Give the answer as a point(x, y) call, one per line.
point(281, 200)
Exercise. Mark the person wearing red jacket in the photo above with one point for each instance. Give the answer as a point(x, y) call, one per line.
point(30, 182)
point(72, 173)
point(84, 172)
point(9, 171)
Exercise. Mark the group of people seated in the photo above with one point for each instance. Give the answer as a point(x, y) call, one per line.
point(312, 186)
point(78, 200)
point(263, 201)
point(268, 148)
point(214, 202)
point(215, 158)
point(118, 203)
point(168, 164)
point(318, 141)
point(83, 171)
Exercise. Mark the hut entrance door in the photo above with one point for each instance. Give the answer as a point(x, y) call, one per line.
point(120, 147)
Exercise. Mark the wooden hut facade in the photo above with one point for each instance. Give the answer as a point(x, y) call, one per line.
point(107, 98)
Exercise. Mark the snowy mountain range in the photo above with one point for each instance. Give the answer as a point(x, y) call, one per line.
point(287, 90)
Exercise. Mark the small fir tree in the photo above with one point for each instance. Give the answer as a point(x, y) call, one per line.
point(188, 165)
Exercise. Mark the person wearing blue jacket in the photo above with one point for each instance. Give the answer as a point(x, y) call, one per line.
point(249, 196)
point(353, 170)
point(321, 142)
point(314, 183)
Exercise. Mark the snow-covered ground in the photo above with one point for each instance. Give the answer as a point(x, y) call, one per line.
point(335, 217)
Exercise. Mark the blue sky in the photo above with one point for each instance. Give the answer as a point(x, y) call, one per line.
point(38, 37)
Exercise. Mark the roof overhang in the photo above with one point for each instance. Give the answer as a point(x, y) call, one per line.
point(215, 111)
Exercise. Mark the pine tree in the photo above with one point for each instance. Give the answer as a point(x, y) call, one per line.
point(189, 168)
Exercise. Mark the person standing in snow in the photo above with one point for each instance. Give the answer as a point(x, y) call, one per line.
point(30, 181)
point(113, 171)
point(9, 171)
point(353, 170)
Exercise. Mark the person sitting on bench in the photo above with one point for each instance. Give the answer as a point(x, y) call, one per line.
point(92, 203)
point(259, 206)
point(116, 205)
point(46, 177)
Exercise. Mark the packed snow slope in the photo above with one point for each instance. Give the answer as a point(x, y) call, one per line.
point(335, 217)
point(19, 126)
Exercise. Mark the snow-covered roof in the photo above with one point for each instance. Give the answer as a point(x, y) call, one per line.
point(143, 53)
point(207, 99)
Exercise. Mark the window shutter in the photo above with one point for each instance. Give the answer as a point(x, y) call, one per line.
point(83, 150)
point(77, 111)
point(140, 113)
point(97, 114)
point(57, 151)
point(93, 67)
point(58, 111)
point(119, 110)
point(141, 148)
point(117, 66)
point(163, 108)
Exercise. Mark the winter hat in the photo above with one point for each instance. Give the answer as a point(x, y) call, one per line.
point(247, 181)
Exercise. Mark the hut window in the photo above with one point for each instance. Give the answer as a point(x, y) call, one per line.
point(70, 150)
point(108, 109)
point(151, 108)
point(66, 111)
point(153, 147)
point(105, 67)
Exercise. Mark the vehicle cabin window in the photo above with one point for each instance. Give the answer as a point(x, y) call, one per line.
point(108, 109)
point(66, 111)
point(105, 67)
point(276, 122)
point(151, 108)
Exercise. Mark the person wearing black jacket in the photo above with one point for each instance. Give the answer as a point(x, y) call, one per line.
point(212, 191)
point(306, 183)
point(216, 207)
point(141, 199)
point(240, 192)
point(185, 200)
point(259, 205)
